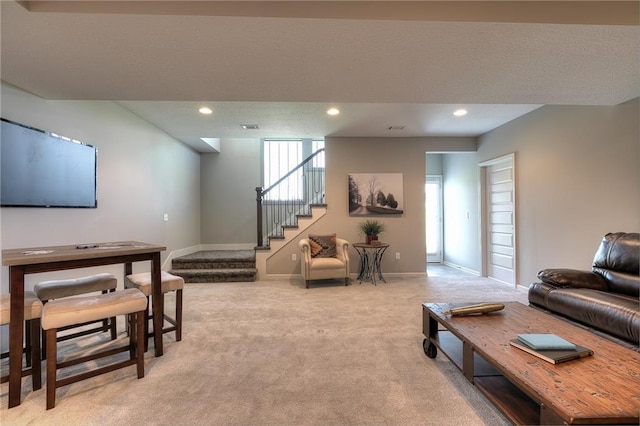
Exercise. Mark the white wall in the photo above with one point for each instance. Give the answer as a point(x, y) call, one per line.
point(577, 172)
point(229, 179)
point(405, 234)
point(460, 205)
point(577, 177)
point(142, 174)
point(434, 163)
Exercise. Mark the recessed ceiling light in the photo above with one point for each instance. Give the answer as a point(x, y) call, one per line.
point(333, 111)
point(205, 110)
point(460, 112)
point(250, 126)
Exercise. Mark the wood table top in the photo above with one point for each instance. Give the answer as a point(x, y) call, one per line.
point(34, 255)
point(603, 386)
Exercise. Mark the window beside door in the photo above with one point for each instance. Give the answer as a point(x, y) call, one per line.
point(433, 218)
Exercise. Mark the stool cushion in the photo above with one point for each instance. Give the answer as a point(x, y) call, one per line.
point(32, 307)
point(56, 289)
point(77, 310)
point(143, 282)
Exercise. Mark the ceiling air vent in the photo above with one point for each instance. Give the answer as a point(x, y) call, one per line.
point(250, 126)
point(395, 128)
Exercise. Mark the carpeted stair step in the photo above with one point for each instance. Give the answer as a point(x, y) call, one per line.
point(216, 259)
point(216, 266)
point(216, 275)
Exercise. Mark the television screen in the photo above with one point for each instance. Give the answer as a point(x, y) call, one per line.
point(42, 169)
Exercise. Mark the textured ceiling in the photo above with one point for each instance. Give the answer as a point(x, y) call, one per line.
point(259, 65)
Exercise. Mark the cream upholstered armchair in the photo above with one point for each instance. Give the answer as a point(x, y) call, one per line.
point(324, 257)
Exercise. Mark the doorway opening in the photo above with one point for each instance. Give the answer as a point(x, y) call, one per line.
point(433, 218)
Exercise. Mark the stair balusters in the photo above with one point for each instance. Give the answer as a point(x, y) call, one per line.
point(280, 205)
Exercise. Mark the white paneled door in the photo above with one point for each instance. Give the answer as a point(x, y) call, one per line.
point(500, 221)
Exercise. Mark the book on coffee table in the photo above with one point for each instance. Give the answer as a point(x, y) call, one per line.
point(478, 308)
point(545, 341)
point(554, 356)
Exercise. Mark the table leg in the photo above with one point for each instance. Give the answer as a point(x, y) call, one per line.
point(371, 260)
point(430, 331)
point(468, 368)
point(363, 264)
point(16, 331)
point(378, 263)
point(158, 305)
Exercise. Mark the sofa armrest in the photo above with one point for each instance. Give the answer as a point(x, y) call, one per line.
point(342, 251)
point(573, 278)
point(305, 248)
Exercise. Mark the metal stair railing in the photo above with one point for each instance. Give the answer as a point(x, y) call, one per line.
point(279, 206)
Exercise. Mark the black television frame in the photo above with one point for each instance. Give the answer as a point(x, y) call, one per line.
point(93, 195)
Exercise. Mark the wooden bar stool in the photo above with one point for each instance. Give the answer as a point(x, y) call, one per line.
point(58, 289)
point(32, 315)
point(65, 312)
point(170, 282)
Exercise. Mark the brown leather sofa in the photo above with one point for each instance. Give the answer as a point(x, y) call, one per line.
point(605, 299)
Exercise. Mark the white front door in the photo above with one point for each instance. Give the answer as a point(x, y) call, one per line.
point(499, 201)
point(433, 217)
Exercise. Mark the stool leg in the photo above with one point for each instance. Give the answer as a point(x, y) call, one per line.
point(36, 367)
point(112, 323)
point(145, 326)
point(44, 338)
point(140, 337)
point(178, 315)
point(114, 331)
point(27, 345)
point(44, 345)
point(132, 334)
point(52, 368)
point(105, 322)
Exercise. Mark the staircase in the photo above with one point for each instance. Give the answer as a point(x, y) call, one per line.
point(278, 221)
point(213, 266)
point(289, 233)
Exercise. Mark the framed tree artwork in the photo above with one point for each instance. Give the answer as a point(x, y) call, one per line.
point(375, 194)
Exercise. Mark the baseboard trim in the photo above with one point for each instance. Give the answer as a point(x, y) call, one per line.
point(352, 276)
point(403, 274)
point(166, 265)
point(462, 268)
point(278, 277)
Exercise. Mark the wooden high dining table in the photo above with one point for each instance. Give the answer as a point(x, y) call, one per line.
point(25, 261)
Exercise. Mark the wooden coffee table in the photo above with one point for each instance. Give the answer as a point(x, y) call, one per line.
point(600, 389)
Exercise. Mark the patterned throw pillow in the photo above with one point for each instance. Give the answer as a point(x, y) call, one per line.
point(323, 245)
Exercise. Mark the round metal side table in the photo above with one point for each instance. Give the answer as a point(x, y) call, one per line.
point(370, 261)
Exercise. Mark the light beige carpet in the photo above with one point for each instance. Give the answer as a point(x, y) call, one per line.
point(275, 353)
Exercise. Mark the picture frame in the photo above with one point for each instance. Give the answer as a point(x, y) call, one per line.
point(375, 194)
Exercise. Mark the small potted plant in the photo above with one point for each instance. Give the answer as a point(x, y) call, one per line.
point(371, 228)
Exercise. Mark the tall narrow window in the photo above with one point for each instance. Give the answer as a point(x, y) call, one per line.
point(280, 157)
point(318, 160)
point(433, 210)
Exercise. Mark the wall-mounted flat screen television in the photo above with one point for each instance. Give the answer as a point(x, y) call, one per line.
point(42, 169)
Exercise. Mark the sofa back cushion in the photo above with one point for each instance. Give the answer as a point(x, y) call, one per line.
point(618, 261)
